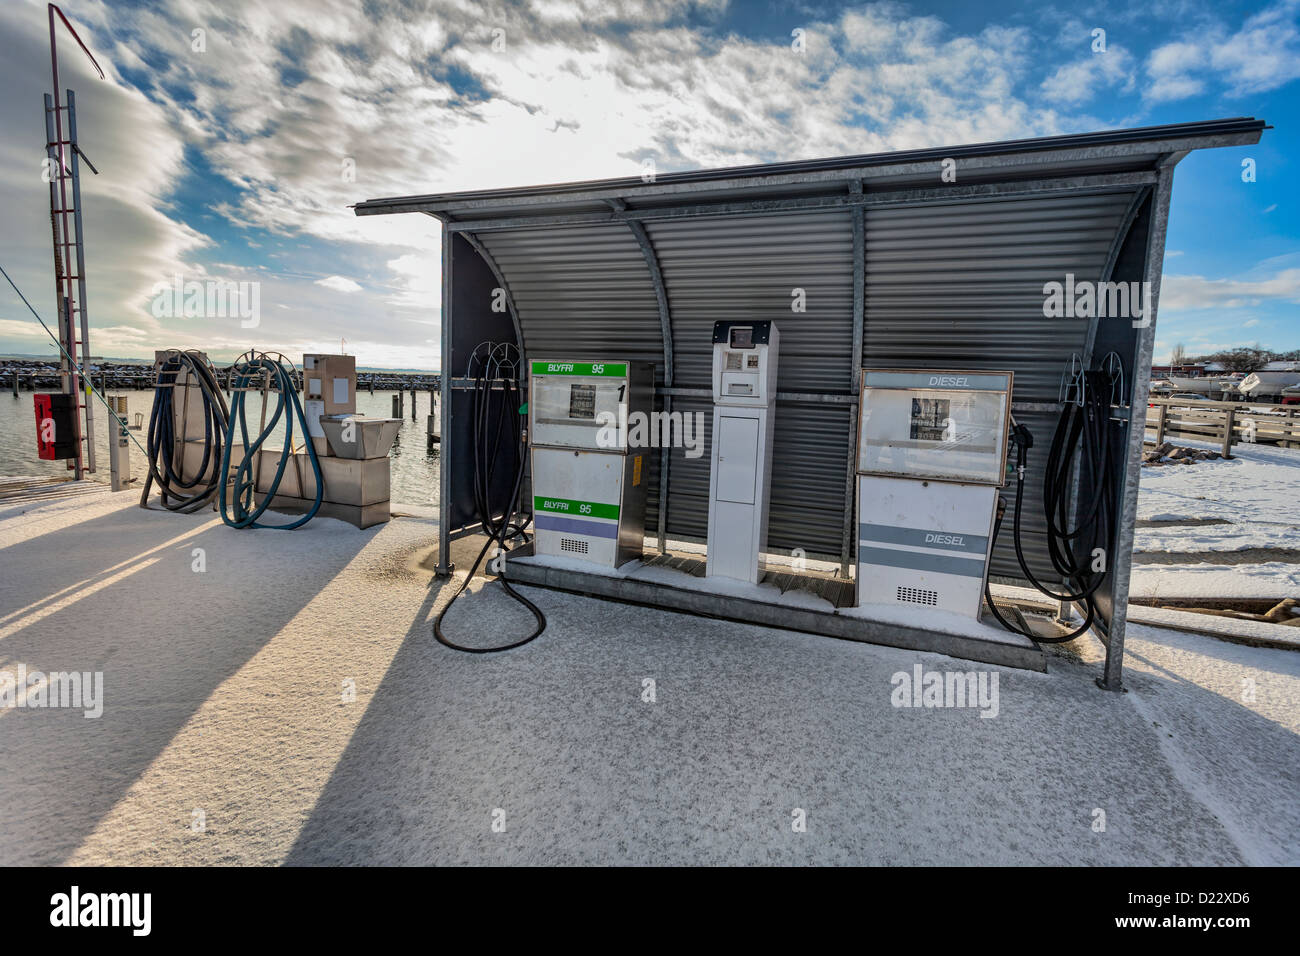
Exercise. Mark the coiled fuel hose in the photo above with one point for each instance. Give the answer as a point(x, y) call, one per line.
point(1082, 438)
point(496, 420)
point(268, 374)
point(199, 385)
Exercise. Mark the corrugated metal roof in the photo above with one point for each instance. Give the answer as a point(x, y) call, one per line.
point(1074, 154)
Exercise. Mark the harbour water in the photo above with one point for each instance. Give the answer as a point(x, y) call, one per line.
point(414, 469)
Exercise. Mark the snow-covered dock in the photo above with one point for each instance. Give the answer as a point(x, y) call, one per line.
point(278, 698)
point(1220, 529)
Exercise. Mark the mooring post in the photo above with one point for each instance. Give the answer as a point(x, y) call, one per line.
point(1230, 421)
point(398, 410)
point(413, 405)
point(15, 384)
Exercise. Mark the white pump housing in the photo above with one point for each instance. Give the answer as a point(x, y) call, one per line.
point(740, 478)
point(931, 457)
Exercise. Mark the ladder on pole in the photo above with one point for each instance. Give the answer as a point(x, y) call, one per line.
point(63, 166)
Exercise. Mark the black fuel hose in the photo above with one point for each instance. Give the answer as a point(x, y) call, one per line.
point(497, 429)
point(175, 492)
point(1082, 437)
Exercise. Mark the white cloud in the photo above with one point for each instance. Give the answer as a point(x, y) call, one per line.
point(131, 241)
point(563, 101)
point(1080, 81)
point(1198, 292)
point(307, 106)
point(339, 284)
point(1263, 54)
point(1169, 70)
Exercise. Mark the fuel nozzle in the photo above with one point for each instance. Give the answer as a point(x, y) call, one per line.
point(1023, 440)
point(1021, 436)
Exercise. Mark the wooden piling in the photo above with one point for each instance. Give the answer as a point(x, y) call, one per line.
point(1231, 415)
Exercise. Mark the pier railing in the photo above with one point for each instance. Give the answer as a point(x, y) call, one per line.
point(1224, 423)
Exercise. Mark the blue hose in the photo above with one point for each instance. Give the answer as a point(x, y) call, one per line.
point(246, 374)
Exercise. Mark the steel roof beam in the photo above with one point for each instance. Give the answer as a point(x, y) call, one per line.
point(666, 327)
point(757, 207)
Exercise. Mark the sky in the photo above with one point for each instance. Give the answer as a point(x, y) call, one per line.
point(232, 136)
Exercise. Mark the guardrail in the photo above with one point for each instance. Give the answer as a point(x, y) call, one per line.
point(1227, 423)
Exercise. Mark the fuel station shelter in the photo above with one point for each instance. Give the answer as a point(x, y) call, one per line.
point(894, 264)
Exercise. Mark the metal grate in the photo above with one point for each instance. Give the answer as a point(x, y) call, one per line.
point(917, 596)
point(573, 545)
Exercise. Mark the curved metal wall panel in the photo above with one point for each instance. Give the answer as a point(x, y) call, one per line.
point(746, 268)
point(810, 457)
point(807, 492)
point(584, 292)
point(960, 285)
point(583, 289)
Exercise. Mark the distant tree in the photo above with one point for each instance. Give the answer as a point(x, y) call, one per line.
point(1179, 356)
point(1243, 359)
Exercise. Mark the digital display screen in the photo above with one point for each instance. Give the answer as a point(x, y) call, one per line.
point(933, 433)
point(582, 401)
point(742, 338)
point(930, 419)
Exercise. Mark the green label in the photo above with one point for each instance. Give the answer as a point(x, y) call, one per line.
point(606, 369)
point(579, 509)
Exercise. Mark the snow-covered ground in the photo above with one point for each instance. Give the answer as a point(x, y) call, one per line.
point(229, 733)
point(1220, 529)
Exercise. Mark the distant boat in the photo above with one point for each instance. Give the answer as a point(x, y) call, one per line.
point(1266, 384)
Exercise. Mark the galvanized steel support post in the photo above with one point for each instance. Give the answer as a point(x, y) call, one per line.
point(1139, 200)
point(1122, 564)
point(855, 372)
point(445, 566)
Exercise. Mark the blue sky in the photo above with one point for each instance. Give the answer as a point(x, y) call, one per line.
point(234, 152)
